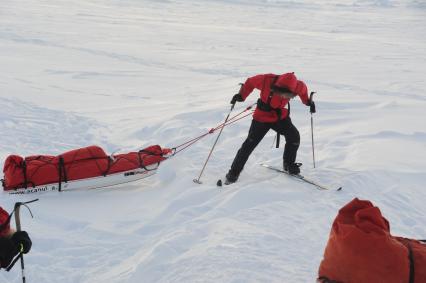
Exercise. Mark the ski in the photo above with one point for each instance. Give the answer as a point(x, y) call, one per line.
point(300, 177)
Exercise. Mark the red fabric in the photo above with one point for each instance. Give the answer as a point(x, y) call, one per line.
point(419, 254)
point(288, 81)
point(13, 174)
point(83, 154)
point(148, 156)
point(361, 249)
point(5, 230)
point(263, 83)
point(84, 163)
point(302, 90)
point(80, 163)
point(41, 169)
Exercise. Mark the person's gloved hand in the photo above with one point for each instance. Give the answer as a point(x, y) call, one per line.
point(8, 251)
point(312, 108)
point(237, 97)
point(22, 238)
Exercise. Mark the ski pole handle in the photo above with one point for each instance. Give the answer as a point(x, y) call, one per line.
point(237, 96)
point(311, 95)
point(312, 107)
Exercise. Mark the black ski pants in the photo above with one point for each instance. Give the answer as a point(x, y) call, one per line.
point(256, 133)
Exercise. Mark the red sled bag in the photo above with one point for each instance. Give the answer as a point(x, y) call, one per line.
point(361, 249)
point(76, 164)
point(145, 158)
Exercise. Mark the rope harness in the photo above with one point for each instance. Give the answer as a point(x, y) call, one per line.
point(232, 120)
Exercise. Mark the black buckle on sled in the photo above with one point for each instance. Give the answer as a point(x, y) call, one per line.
point(141, 161)
point(24, 170)
point(62, 173)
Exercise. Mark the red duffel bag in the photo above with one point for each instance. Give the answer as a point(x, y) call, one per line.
point(361, 249)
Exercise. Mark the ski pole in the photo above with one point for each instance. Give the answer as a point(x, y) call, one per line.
point(211, 151)
point(18, 228)
point(312, 129)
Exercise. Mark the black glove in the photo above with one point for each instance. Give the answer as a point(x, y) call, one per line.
point(237, 97)
point(22, 238)
point(312, 108)
point(8, 251)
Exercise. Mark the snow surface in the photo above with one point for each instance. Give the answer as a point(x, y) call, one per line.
point(124, 74)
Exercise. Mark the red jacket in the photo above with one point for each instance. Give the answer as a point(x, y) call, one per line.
point(4, 227)
point(264, 83)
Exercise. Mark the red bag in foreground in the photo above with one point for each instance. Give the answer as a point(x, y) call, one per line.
point(361, 249)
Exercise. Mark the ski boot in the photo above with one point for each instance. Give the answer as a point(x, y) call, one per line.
point(292, 168)
point(230, 178)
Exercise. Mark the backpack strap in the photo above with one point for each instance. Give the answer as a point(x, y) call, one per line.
point(406, 242)
point(323, 279)
point(110, 160)
point(411, 257)
point(271, 93)
point(9, 267)
point(62, 173)
point(147, 152)
point(24, 171)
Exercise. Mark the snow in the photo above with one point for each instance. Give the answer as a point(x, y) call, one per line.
point(132, 73)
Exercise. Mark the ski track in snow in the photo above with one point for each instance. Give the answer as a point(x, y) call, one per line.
point(128, 74)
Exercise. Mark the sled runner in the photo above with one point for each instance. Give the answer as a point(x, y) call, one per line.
point(87, 167)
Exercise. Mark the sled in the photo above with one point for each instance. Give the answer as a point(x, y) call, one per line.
point(87, 167)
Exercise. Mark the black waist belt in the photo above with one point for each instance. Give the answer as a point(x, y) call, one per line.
point(263, 106)
point(267, 108)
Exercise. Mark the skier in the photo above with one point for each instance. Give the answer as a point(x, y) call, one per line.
point(11, 242)
point(275, 93)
